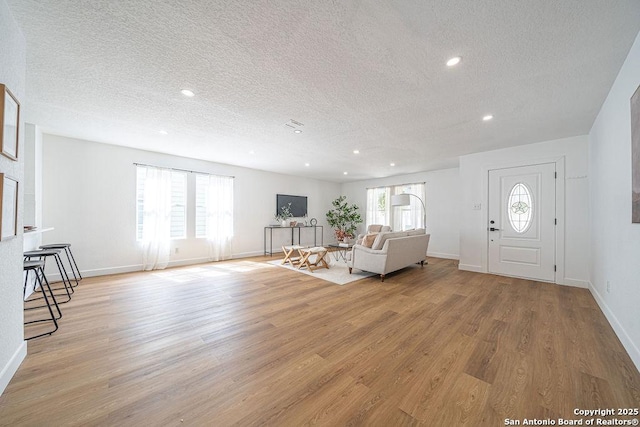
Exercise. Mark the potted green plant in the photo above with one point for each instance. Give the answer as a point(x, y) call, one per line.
point(344, 218)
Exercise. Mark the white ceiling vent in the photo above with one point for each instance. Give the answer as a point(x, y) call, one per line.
point(294, 124)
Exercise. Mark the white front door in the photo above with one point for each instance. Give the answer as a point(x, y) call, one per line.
point(522, 221)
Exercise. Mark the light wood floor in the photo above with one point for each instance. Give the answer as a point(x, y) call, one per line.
point(247, 343)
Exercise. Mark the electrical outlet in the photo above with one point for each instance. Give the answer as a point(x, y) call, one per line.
point(608, 286)
point(477, 206)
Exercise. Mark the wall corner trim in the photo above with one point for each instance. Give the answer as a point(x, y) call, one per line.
point(627, 343)
point(12, 367)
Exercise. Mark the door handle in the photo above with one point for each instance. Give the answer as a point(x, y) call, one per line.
point(494, 229)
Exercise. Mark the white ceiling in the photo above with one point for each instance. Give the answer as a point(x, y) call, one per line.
point(366, 75)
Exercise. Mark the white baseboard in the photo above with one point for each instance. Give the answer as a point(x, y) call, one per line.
point(443, 255)
point(55, 277)
point(575, 282)
point(468, 267)
point(12, 367)
point(183, 262)
point(626, 341)
point(248, 254)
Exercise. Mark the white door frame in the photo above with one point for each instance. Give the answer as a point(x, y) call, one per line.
point(560, 208)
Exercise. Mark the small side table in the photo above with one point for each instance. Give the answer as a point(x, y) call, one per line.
point(340, 250)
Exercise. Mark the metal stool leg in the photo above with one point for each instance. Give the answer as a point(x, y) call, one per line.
point(42, 255)
point(75, 278)
point(39, 276)
point(53, 297)
point(44, 294)
point(64, 276)
point(72, 261)
point(68, 250)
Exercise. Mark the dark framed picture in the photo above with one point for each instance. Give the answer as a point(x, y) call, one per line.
point(8, 207)
point(9, 123)
point(635, 157)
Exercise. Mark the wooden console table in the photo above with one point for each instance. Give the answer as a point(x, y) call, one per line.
point(270, 228)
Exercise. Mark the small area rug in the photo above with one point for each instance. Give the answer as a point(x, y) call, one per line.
point(337, 273)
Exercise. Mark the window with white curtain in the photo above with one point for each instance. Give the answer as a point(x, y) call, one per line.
point(214, 201)
point(178, 194)
point(202, 185)
point(380, 211)
point(378, 206)
point(214, 213)
point(178, 205)
point(161, 212)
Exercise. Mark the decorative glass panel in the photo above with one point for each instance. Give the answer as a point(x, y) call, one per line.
point(520, 207)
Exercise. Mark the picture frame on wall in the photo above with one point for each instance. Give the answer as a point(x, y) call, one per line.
point(635, 157)
point(8, 207)
point(9, 123)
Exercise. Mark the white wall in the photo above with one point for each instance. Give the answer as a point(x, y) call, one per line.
point(89, 198)
point(13, 348)
point(442, 205)
point(615, 255)
point(32, 175)
point(573, 153)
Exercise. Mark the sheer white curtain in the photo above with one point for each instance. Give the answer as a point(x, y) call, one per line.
point(378, 206)
point(380, 211)
point(156, 229)
point(220, 217)
point(412, 216)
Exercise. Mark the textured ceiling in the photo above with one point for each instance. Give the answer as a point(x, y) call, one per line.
point(366, 75)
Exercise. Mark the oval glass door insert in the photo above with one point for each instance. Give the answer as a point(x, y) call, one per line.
point(519, 207)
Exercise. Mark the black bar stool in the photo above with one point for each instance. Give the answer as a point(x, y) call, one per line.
point(42, 255)
point(38, 269)
point(72, 261)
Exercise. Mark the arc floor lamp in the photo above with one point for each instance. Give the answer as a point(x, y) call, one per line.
point(404, 199)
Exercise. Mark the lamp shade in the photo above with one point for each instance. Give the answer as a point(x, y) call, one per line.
point(400, 200)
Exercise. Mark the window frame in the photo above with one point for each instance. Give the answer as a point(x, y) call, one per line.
point(394, 215)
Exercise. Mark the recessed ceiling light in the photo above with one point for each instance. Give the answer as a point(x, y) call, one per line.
point(487, 117)
point(356, 151)
point(297, 131)
point(306, 164)
point(454, 61)
point(163, 132)
point(252, 152)
point(187, 92)
point(345, 173)
point(392, 164)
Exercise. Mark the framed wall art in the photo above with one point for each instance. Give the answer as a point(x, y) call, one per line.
point(635, 157)
point(9, 123)
point(8, 207)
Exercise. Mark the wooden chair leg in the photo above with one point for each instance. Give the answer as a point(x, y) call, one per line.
point(288, 255)
point(304, 261)
point(321, 261)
